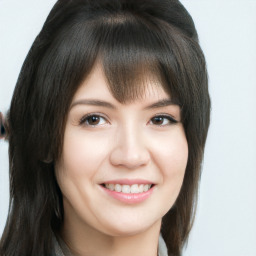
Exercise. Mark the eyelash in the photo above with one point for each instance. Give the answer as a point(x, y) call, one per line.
point(84, 119)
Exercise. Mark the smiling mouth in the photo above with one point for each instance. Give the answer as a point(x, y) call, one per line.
point(128, 189)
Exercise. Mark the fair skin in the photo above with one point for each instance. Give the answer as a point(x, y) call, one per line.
point(138, 143)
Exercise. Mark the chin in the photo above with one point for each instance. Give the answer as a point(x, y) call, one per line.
point(130, 228)
point(126, 232)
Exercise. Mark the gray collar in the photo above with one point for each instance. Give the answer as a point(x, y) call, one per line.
point(61, 249)
point(162, 248)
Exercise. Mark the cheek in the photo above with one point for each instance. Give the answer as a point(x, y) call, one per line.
point(176, 161)
point(171, 152)
point(82, 154)
point(76, 170)
point(171, 155)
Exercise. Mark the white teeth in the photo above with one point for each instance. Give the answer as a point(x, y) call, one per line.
point(118, 188)
point(141, 188)
point(146, 188)
point(111, 187)
point(134, 189)
point(126, 189)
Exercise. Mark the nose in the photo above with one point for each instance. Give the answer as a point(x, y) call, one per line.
point(130, 149)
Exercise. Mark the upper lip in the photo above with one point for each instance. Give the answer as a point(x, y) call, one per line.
point(128, 181)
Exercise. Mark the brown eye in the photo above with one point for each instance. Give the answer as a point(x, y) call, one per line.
point(93, 120)
point(162, 120)
point(157, 120)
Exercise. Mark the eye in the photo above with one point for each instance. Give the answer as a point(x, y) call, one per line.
point(93, 120)
point(163, 120)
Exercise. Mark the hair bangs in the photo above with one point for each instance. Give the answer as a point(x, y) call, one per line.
point(134, 56)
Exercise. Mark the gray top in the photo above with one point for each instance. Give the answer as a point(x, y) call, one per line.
point(61, 249)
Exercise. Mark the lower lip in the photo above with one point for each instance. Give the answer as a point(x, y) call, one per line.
point(129, 198)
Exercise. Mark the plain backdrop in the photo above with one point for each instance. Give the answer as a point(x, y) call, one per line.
point(225, 224)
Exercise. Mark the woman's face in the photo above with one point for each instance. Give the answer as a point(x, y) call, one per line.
point(122, 165)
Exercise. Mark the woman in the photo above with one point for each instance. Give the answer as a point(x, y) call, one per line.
point(107, 128)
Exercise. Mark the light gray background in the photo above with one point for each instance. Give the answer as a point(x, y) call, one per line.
point(226, 218)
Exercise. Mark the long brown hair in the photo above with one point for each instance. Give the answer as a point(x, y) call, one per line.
point(132, 39)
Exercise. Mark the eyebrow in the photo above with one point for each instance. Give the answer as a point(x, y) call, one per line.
point(93, 102)
point(101, 103)
point(163, 103)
